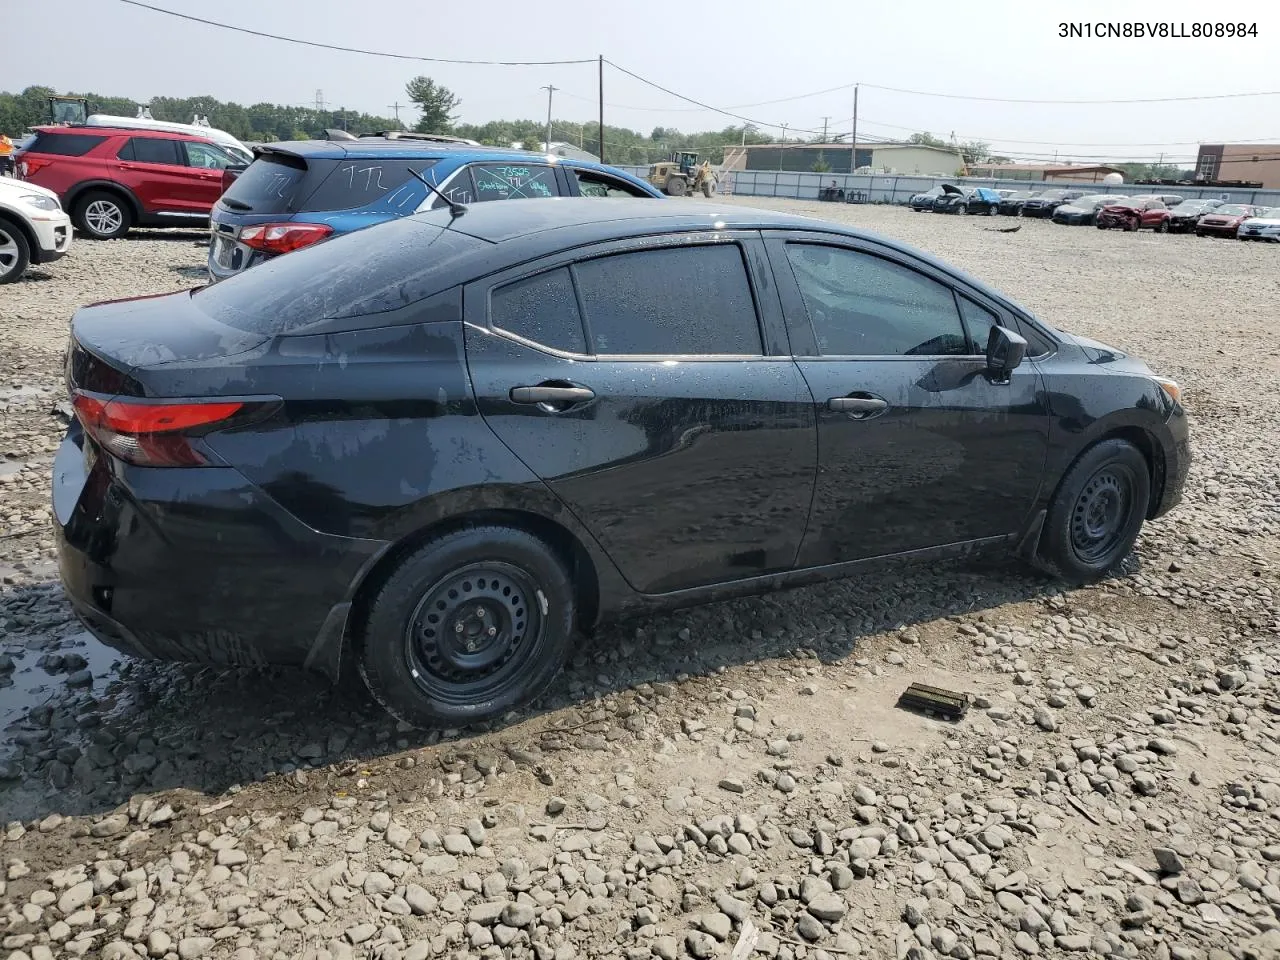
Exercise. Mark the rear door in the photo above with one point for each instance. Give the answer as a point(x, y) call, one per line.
point(649, 387)
point(917, 448)
point(155, 169)
point(205, 163)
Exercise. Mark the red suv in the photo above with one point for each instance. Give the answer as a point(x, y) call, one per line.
point(113, 178)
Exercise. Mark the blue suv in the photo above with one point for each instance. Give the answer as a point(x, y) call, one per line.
point(299, 193)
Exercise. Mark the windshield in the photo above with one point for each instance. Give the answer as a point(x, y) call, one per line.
point(1234, 210)
point(1020, 195)
point(1053, 195)
point(1191, 206)
point(357, 274)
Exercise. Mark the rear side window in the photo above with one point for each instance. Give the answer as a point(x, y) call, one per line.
point(268, 185)
point(542, 309)
point(284, 183)
point(353, 275)
point(358, 183)
point(65, 144)
point(678, 300)
point(153, 150)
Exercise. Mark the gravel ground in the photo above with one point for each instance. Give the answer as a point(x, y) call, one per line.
point(701, 780)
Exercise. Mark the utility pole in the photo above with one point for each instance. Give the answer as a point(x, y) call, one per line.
point(853, 137)
point(319, 101)
point(342, 116)
point(783, 151)
point(550, 88)
point(396, 107)
point(824, 129)
point(602, 108)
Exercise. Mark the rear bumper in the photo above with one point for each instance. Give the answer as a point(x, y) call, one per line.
point(197, 564)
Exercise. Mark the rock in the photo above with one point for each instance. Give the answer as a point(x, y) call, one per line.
point(1168, 860)
point(1044, 719)
point(420, 901)
point(519, 915)
point(192, 948)
point(1026, 943)
point(828, 907)
point(700, 945)
point(111, 826)
point(159, 943)
point(1074, 942)
point(75, 897)
point(1163, 747)
point(915, 910)
point(716, 924)
point(1189, 891)
point(732, 784)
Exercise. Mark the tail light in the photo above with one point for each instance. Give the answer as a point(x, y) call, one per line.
point(283, 237)
point(150, 434)
point(33, 165)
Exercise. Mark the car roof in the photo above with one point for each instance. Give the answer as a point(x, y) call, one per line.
point(114, 131)
point(512, 219)
point(407, 149)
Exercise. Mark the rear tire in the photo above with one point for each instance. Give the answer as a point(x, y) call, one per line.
point(469, 626)
point(1096, 513)
point(708, 188)
point(15, 252)
point(1162, 226)
point(676, 187)
point(102, 215)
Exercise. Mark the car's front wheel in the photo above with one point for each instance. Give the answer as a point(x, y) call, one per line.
point(102, 215)
point(468, 627)
point(961, 210)
point(1097, 512)
point(15, 252)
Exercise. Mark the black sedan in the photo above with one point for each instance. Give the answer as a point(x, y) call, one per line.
point(1083, 211)
point(1045, 203)
point(963, 200)
point(1183, 217)
point(923, 202)
point(443, 445)
point(1011, 205)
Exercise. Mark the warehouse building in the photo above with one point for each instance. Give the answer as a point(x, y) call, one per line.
point(894, 158)
point(1068, 173)
point(1257, 162)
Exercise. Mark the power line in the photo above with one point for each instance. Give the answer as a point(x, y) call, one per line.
point(342, 49)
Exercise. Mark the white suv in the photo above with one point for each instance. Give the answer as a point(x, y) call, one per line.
point(33, 227)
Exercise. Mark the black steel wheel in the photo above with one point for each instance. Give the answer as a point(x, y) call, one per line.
point(472, 632)
point(467, 627)
point(1099, 516)
point(1097, 512)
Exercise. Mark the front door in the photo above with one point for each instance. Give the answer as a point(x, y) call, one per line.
point(917, 447)
point(155, 169)
point(641, 383)
point(205, 163)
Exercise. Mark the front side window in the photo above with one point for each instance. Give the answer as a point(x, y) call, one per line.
point(673, 301)
point(863, 305)
point(207, 157)
point(592, 184)
point(979, 321)
point(512, 181)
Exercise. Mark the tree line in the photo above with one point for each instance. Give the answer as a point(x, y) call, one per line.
point(437, 106)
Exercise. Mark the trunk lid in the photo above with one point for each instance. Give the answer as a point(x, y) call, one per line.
point(117, 346)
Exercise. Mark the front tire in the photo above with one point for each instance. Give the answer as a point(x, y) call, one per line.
point(961, 210)
point(15, 252)
point(1162, 226)
point(708, 188)
point(1097, 512)
point(469, 626)
point(102, 215)
point(676, 187)
point(992, 211)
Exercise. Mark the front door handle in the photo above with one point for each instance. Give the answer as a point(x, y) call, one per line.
point(556, 396)
point(859, 407)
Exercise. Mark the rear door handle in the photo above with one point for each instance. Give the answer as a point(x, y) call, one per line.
point(552, 394)
point(860, 407)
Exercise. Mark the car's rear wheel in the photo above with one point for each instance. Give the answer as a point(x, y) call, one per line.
point(15, 252)
point(102, 215)
point(1097, 512)
point(992, 211)
point(1162, 226)
point(467, 627)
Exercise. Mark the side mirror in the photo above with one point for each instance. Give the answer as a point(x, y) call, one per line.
point(1005, 350)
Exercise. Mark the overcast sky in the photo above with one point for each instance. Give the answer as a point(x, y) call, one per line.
point(735, 54)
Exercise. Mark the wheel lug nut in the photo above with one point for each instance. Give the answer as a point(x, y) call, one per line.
point(480, 612)
point(457, 628)
point(493, 631)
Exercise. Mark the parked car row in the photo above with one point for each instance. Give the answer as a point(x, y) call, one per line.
point(1162, 213)
point(108, 178)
